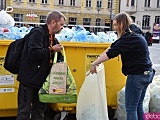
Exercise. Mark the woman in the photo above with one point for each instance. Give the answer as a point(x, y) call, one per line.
point(136, 64)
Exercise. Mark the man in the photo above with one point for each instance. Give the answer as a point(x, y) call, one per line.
point(35, 65)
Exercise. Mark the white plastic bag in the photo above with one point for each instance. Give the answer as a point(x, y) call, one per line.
point(155, 97)
point(92, 102)
point(3, 17)
point(6, 20)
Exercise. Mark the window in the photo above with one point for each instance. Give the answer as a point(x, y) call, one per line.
point(32, 1)
point(44, 1)
point(98, 22)
point(18, 17)
point(88, 3)
point(43, 19)
point(127, 3)
point(18, 0)
point(147, 3)
point(132, 2)
point(110, 3)
point(133, 18)
point(145, 22)
point(61, 2)
point(86, 21)
point(157, 19)
point(72, 21)
point(99, 3)
point(72, 2)
point(2, 4)
point(158, 3)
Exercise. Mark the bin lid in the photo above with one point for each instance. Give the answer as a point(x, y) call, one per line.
point(85, 44)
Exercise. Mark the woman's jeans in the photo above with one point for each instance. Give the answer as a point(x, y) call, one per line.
point(135, 90)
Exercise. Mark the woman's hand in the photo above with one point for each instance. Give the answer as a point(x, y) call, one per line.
point(93, 69)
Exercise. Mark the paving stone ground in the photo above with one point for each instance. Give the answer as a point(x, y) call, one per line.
point(155, 56)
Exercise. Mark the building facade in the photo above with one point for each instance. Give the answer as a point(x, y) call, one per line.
point(92, 14)
point(145, 13)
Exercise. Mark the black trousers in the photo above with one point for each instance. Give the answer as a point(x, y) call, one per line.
point(29, 107)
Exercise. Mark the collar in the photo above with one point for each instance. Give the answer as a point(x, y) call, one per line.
point(46, 30)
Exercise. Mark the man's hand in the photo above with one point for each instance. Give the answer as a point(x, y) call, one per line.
point(56, 48)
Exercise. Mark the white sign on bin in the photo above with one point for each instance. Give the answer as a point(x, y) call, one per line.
point(6, 79)
point(6, 90)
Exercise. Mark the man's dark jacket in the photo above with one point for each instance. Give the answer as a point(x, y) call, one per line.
point(35, 65)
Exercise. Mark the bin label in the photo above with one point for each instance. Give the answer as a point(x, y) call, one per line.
point(6, 79)
point(89, 59)
point(5, 90)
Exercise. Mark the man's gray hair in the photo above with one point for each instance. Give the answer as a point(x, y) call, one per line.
point(55, 15)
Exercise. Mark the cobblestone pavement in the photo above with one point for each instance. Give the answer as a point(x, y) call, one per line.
point(155, 56)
